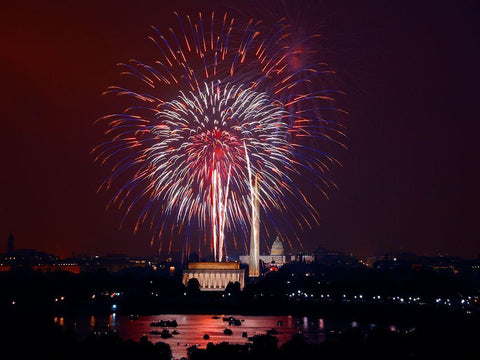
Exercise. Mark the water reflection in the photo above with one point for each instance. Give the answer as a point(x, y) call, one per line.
point(112, 320)
point(59, 320)
point(191, 329)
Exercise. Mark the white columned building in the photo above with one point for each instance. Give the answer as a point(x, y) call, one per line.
point(214, 276)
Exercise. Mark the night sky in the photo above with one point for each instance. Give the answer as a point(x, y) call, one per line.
point(409, 70)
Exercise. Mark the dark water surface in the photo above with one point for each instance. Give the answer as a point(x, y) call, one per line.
point(192, 328)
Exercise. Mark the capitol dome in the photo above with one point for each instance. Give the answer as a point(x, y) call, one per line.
point(277, 247)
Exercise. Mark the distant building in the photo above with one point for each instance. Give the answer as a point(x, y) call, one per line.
point(277, 254)
point(115, 262)
point(68, 266)
point(214, 276)
point(440, 263)
point(277, 257)
point(375, 260)
point(33, 259)
point(119, 262)
point(323, 256)
point(301, 257)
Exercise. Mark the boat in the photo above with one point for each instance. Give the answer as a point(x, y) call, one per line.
point(175, 332)
point(215, 317)
point(206, 336)
point(133, 317)
point(155, 332)
point(232, 321)
point(244, 334)
point(165, 334)
point(235, 322)
point(280, 323)
point(164, 323)
point(228, 332)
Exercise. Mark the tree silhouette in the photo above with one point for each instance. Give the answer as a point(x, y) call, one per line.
point(193, 287)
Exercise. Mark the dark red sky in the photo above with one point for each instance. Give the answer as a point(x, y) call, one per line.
point(410, 70)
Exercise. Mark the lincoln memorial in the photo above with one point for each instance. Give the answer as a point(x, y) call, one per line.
point(214, 276)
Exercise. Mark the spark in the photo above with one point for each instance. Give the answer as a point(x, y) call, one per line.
point(222, 108)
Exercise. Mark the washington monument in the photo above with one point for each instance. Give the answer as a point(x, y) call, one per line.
point(254, 261)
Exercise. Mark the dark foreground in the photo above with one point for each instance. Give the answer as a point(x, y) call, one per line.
point(441, 312)
point(54, 342)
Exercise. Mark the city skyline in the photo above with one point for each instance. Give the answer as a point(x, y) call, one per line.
point(11, 248)
point(407, 181)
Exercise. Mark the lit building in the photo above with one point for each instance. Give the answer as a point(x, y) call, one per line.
point(214, 276)
point(277, 255)
point(323, 256)
point(33, 259)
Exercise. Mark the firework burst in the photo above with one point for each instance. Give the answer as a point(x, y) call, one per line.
point(236, 108)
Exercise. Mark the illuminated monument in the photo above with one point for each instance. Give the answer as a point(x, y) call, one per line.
point(215, 276)
point(276, 258)
point(254, 261)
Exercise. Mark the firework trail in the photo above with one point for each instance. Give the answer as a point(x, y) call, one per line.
point(221, 105)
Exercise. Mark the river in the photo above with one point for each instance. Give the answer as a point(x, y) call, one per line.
point(192, 328)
